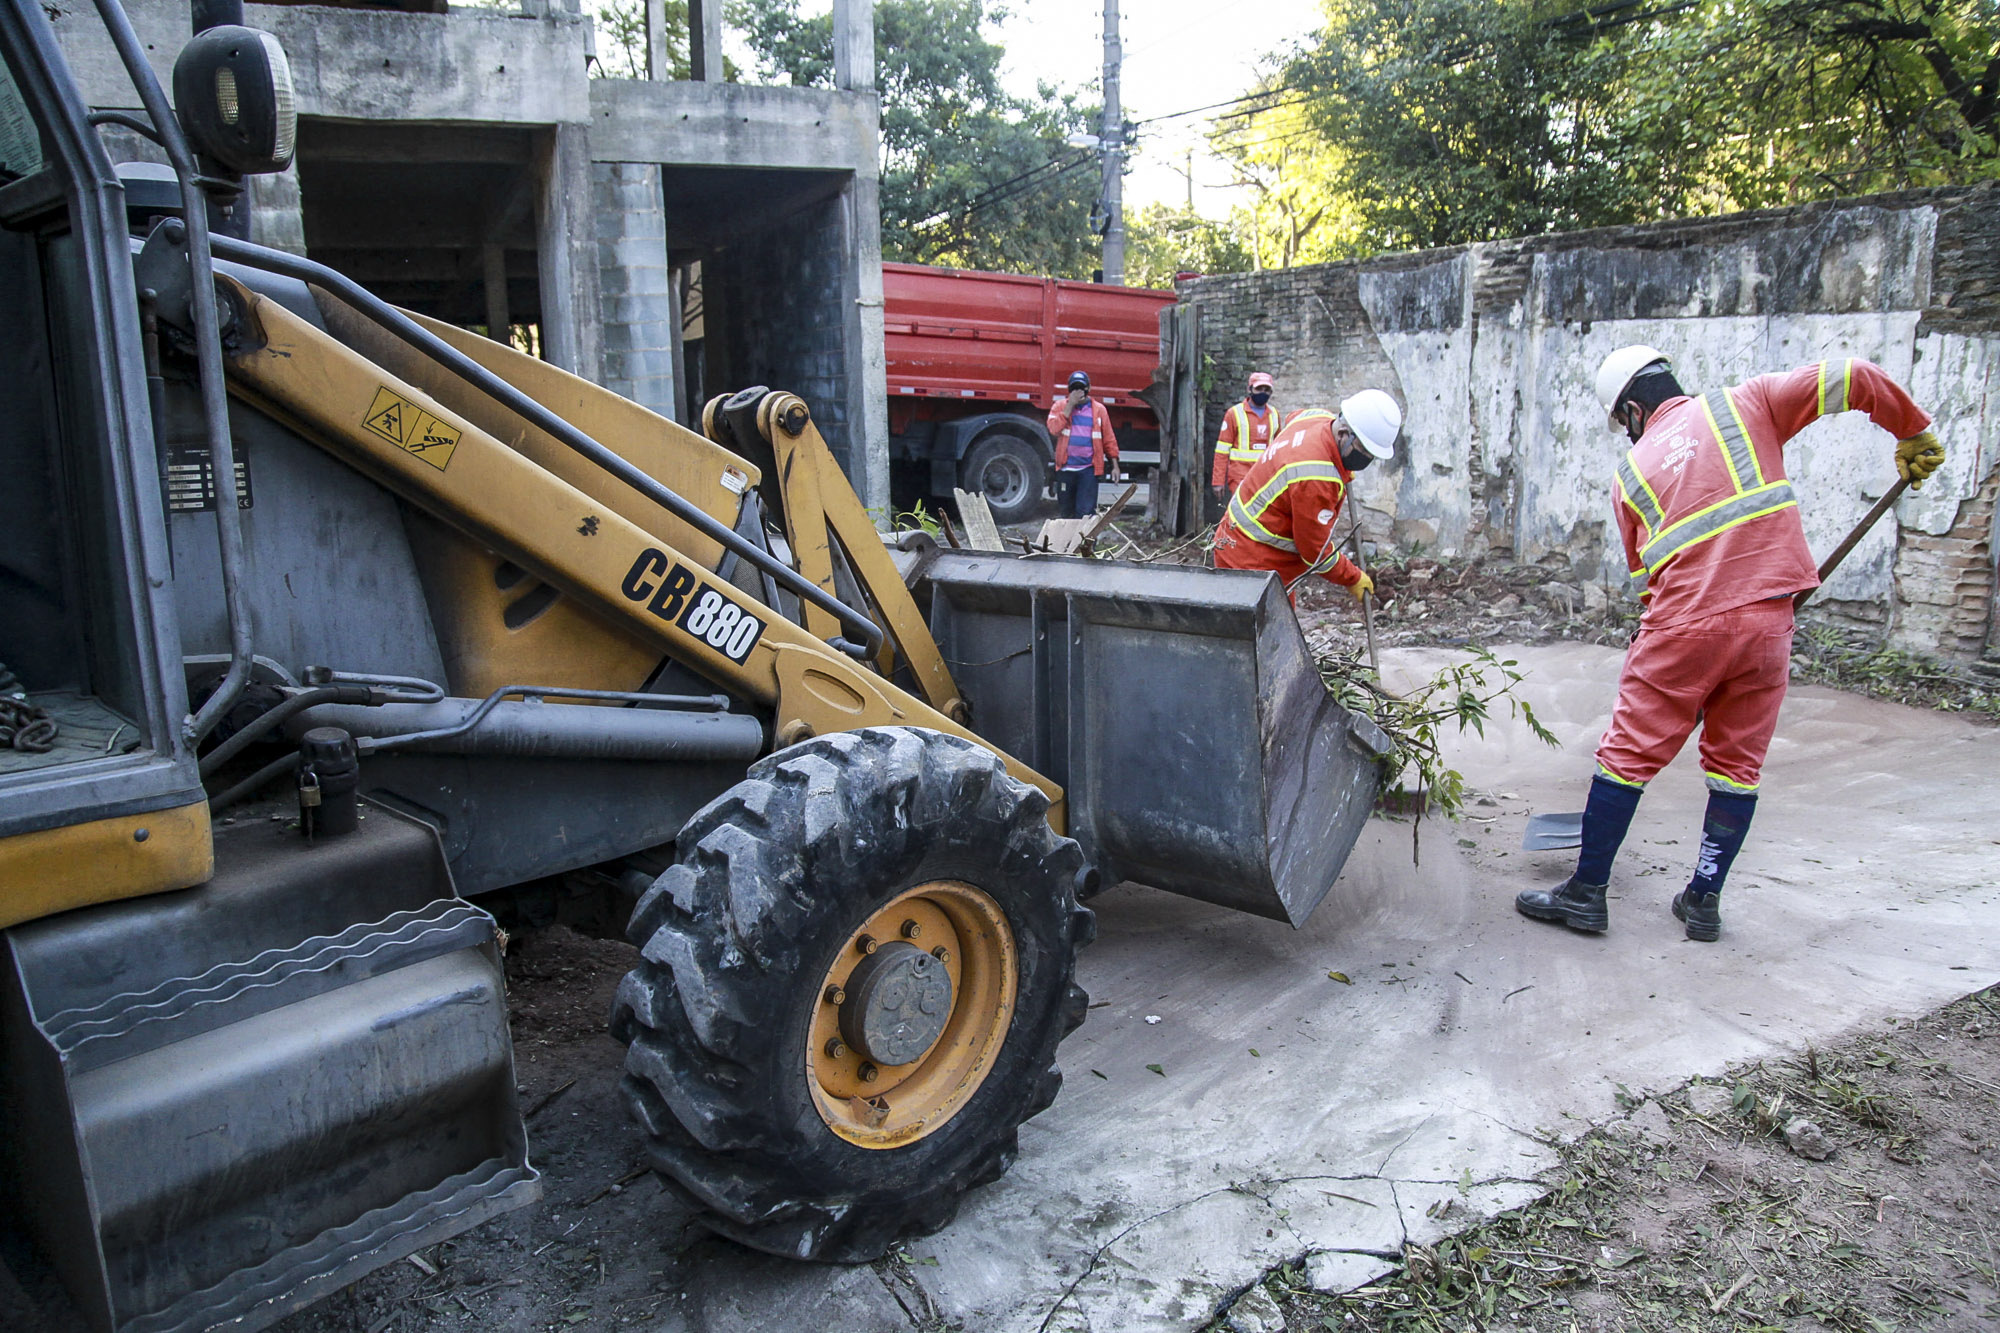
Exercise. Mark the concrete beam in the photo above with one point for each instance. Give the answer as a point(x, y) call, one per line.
point(733, 125)
point(370, 64)
point(854, 45)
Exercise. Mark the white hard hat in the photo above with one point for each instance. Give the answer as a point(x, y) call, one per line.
point(1621, 368)
point(1375, 420)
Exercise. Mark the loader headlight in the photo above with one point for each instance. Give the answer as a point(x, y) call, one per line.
point(233, 94)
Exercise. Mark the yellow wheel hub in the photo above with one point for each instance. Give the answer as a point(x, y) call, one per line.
point(927, 980)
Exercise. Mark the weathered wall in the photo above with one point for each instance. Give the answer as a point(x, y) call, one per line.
point(1492, 349)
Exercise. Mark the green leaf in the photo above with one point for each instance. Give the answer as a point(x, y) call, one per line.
point(1341, 977)
point(1157, 1070)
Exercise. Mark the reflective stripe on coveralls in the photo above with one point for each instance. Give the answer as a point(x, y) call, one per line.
point(1242, 451)
point(1754, 497)
point(1248, 517)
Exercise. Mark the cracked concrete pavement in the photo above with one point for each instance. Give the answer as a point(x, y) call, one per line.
point(1294, 1115)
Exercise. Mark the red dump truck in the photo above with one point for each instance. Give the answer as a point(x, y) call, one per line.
point(976, 360)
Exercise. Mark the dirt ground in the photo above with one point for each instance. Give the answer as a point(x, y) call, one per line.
point(1712, 1207)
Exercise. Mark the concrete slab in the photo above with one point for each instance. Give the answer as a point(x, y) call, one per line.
point(1297, 1115)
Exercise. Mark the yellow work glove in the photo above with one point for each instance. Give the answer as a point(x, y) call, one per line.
point(1918, 457)
point(1363, 588)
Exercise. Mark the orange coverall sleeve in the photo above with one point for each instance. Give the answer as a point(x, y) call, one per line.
point(1797, 398)
point(1316, 509)
point(1110, 435)
point(1225, 439)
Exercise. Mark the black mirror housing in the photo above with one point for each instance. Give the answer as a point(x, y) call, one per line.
point(233, 94)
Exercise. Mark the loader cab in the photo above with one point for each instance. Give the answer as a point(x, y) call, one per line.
point(99, 798)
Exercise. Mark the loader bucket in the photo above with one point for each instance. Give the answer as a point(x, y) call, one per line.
point(1201, 752)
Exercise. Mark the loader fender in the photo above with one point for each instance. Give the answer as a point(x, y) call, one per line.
point(765, 1077)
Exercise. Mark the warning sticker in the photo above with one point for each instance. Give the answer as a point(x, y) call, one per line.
point(407, 426)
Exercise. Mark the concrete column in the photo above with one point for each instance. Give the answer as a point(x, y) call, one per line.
point(677, 344)
point(867, 384)
point(854, 45)
point(705, 40)
point(636, 285)
point(498, 325)
point(566, 253)
point(658, 63)
point(277, 211)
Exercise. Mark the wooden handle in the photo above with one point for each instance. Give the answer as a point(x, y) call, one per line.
point(1848, 543)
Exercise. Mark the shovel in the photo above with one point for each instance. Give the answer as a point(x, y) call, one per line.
point(1547, 833)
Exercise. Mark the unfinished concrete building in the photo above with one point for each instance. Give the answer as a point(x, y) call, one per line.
point(669, 239)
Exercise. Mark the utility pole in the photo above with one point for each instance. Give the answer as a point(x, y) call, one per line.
point(1113, 148)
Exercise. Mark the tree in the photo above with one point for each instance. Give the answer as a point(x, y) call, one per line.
point(971, 176)
point(1161, 241)
point(1435, 122)
point(1443, 121)
point(621, 28)
point(1297, 214)
point(1788, 99)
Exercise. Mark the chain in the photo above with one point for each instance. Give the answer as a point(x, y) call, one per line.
point(23, 726)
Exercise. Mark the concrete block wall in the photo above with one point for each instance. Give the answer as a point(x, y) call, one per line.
point(1492, 349)
point(634, 283)
point(786, 326)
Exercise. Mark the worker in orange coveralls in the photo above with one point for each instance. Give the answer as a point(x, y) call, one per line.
point(1282, 515)
point(1247, 428)
point(1714, 542)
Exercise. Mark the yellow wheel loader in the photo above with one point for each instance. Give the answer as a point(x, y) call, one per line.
point(327, 627)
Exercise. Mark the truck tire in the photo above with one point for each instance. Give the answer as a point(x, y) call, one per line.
point(1010, 471)
point(880, 852)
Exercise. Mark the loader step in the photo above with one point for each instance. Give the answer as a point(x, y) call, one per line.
point(225, 1102)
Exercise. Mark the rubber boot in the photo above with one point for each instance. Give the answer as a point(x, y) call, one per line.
point(1723, 828)
point(1575, 904)
point(1701, 913)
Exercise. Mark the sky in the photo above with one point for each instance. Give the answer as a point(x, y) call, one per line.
point(1179, 54)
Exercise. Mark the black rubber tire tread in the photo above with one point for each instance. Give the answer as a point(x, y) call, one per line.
point(772, 878)
point(1004, 439)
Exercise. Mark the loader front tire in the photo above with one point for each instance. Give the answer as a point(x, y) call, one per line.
point(893, 866)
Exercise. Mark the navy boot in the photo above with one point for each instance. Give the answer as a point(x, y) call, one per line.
point(1575, 904)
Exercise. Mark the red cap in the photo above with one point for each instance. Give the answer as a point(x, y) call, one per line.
point(1260, 381)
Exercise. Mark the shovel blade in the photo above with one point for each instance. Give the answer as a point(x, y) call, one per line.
point(1547, 833)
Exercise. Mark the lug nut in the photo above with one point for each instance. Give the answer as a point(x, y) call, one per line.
point(868, 1072)
point(835, 995)
point(835, 1048)
point(911, 930)
point(866, 944)
point(942, 954)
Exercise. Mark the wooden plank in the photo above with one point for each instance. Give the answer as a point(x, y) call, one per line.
point(981, 532)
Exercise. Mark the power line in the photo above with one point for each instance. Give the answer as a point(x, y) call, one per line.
point(1021, 184)
point(1197, 110)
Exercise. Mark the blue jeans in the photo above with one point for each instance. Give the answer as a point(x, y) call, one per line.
point(1076, 493)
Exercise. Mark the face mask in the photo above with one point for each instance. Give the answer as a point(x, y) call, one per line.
point(1634, 422)
point(1260, 396)
point(1355, 457)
